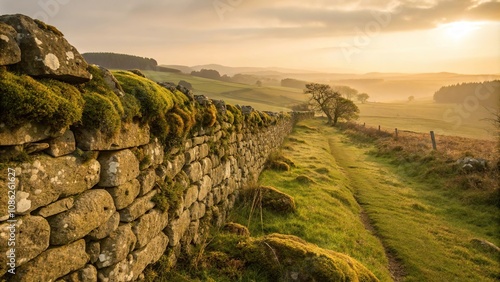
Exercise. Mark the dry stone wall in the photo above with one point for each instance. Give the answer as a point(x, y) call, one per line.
point(106, 214)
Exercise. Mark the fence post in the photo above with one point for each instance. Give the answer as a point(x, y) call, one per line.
point(433, 139)
point(379, 128)
point(364, 123)
point(396, 130)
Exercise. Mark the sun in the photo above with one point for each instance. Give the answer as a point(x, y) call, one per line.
point(459, 30)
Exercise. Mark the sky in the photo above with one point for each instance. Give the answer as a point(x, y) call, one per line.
point(358, 36)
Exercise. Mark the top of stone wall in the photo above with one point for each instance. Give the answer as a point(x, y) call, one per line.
point(39, 67)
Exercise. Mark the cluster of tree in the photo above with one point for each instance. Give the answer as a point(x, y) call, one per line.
point(211, 74)
point(325, 99)
point(486, 93)
point(293, 83)
point(120, 61)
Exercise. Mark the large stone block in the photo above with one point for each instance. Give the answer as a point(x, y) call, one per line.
point(10, 53)
point(178, 227)
point(107, 228)
point(149, 226)
point(130, 135)
point(92, 209)
point(153, 153)
point(149, 254)
point(205, 187)
point(139, 207)
point(117, 246)
point(63, 145)
point(194, 171)
point(26, 133)
point(120, 272)
point(33, 233)
point(192, 154)
point(147, 180)
point(118, 168)
point(191, 196)
point(87, 274)
point(57, 207)
point(125, 194)
point(45, 51)
point(54, 263)
point(46, 179)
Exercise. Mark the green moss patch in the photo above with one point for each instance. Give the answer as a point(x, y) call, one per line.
point(289, 258)
point(24, 99)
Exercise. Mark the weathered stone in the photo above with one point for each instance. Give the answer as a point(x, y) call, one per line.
point(147, 180)
point(191, 234)
point(118, 168)
point(153, 153)
point(206, 166)
point(87, 274)
point(93, 249)
point(204, 150)
point(92, 209)
point(125, 194)
point(205, 187)
point(35, 232)
point(191, 196)
point(53, 263)
point(35, 147)
point(45, 51)
point(162, 171)
point(176, 165)
point(106, 228)
point(10, 53)
point(237, 229)
point(130, 135)
point(57, 207)
point(149, 254)
point(63, 145)
point(119, 272)
point(117, 246)
point(192, 154)
point(177, 228)
point(46, 179)
point(197, 210)
point(26, 133)
point(139, 207)
point(112, 82)
point(149, 226)
point(194, 171)
point(198, 140)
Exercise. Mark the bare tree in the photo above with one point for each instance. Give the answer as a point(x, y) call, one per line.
point(331, 103)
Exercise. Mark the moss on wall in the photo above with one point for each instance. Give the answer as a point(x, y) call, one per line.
point(24, 99)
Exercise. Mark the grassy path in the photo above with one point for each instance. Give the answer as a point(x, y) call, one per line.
point(411, 221)
point(351, 202)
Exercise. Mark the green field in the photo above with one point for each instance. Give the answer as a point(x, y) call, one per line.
point(419, 115)
point(427, 116)
point(265, 98)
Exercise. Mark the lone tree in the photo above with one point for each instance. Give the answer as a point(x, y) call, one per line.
point(363, 97)
point(331, 103)
point(411, 98)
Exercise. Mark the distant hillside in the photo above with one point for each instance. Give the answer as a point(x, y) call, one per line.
point(124, 61)
point(485, 93)
point(293, 83)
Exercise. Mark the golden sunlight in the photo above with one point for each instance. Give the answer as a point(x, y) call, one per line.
point(459, 30)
